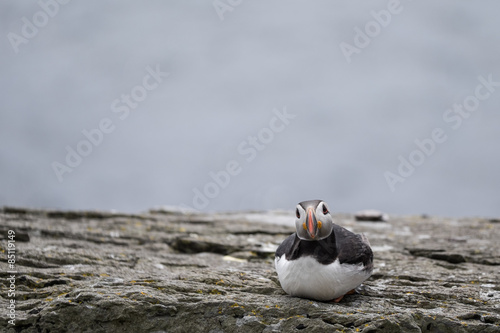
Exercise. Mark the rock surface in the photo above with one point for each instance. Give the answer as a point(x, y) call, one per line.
point(168, 271)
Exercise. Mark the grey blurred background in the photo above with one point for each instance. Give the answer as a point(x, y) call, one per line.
point(229, 68)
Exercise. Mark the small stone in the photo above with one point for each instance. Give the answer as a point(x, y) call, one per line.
point(371, 215)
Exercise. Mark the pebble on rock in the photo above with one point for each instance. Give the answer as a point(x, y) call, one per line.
point(371, 215)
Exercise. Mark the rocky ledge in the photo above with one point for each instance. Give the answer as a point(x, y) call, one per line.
point(169, 271)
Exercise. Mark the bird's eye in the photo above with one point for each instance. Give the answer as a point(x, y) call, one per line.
point(325, 210)
point(297, 213)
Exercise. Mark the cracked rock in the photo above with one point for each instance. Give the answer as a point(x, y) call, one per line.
point(164, 271)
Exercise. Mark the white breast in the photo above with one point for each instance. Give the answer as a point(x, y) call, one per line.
point(305, 277)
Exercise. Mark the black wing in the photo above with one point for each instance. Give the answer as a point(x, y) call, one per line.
point(353, 248)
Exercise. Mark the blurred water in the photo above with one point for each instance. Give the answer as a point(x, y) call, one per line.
point(351, 121)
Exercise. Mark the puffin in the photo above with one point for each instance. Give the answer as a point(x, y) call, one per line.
point(322, 260)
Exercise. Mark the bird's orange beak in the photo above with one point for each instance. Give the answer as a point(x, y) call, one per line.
point(311, 223)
